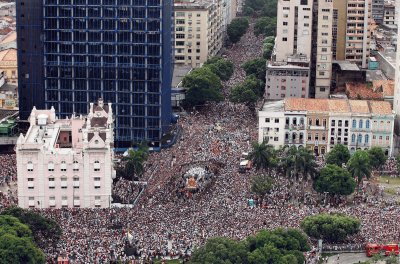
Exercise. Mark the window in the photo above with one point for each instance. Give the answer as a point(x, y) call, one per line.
point(97, 182)
point(63, 166)
point(360, 124)
point(366, 139)
point(276, 138)
point(285, 23)
point(51, 183)
point(76, 166)
point(29, 166)
point(387, 138)
point(50, 166)
point(316, 137)
point(333, 122)
point(64, 201)
point(353, 138)
point(31, 202)
point(267, 120)
point(97, 201)
point(359, 138)
point(354, 123)
point(96, 165)
point(317, 122)
point(30, 183)
point(63, 182)
point(367, 124)
point(276, 120)
point(76, 182)
point(52, 201)
point(284, 39)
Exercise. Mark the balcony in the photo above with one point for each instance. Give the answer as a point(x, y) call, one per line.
point(294, 142)
point(295, 127)
point(316, 127)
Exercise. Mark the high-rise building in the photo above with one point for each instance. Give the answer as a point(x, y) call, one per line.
point(396, 100)
point(351, 31)
point(377, 10)
point(72, 52)
point(200, 28)
point(66, 162)
point(321, 61)
point(288, 72)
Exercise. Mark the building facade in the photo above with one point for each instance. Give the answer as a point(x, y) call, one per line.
point(378, 10)
point(320, 124)
point(322, 62)
point(121, 51)
point(8, 64)
point(66, 162)
point(389, 14)
point(200, 28)
point(351, 31)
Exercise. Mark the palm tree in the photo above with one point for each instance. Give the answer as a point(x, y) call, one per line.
point(263, 155)
point(297, 161)
point(135, 160)
point(359, 165)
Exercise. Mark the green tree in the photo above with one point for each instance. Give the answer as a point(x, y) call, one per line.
point(258, 67)
point(359, 165)
point(243, 94)
point(248, 11)
point(40, 226)
point(268, 47)
point(339, 155)
point(334, 180)
point(298, 161)
point(269, 9)
point(377, 157)
point(265, 25)
point(237, 28)
point(261, 185)
point(221, 67)
point(15, 249)
point(135, 160)
point(202, 86)
point(263, 155)
point(16, 242)
point(220, 250)
point(332, 228)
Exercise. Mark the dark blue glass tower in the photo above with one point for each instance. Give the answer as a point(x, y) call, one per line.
point(119, 50)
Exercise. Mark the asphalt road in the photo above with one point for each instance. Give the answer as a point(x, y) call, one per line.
point(348, 258)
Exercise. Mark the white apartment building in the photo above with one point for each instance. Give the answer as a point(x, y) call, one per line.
point(320, 124)
point(389, 17)
point(66, 162)
point(288, 72)
point(323, 58)
point(294, 29)
point(200, 28)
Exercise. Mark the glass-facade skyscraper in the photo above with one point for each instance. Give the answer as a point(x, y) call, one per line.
point(118, 50)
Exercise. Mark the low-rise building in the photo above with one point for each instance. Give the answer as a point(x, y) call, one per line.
point(319, 124)
point(66, 162)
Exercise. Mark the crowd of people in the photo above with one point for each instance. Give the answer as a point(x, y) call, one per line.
point(165, 226)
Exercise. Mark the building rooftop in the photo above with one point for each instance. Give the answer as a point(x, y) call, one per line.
point(8, 57)
point(330, 106)
point(179, 72)
point(10, 37)
point(377, 90)
point(347, 66)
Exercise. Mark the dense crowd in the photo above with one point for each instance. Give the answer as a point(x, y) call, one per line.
point(166, 226)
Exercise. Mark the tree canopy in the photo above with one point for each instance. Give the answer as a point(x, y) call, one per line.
point(297, 161)
point(258, 67)
point(248, 92)
point(221, 67)
point(265, 26)
point(16, 243)
point(335, 180)
point(359, 165)
point(268, 47)
point(332, 228)
point(237, 28)
point(377, 157)
point(203, 85)
point(263, 155)
point(284, 246)
point(339, 155)
point(261, 184)
point(39, 225)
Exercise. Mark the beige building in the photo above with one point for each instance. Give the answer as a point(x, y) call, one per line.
point(351, 31)
point(8, 65)
point(199, 30)
point(389, 14)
